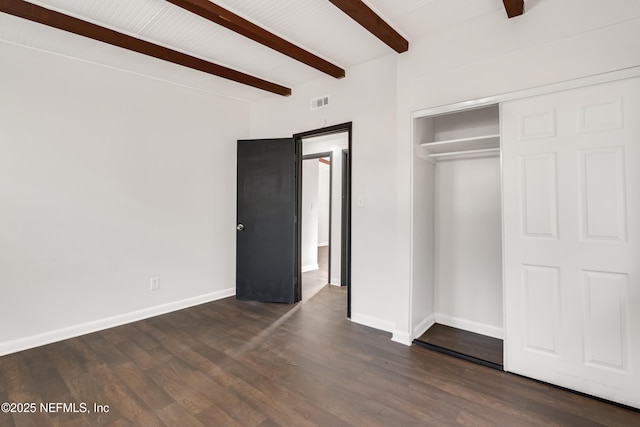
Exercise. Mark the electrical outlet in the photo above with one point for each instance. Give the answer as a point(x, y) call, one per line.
point(155, 283)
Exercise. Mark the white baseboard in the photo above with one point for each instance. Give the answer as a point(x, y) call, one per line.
point(422, 327)
point(373, 322)
point(468, 325)
point(110, 322)
point(406, 339)
point(335, 281)
point(398, 336)
point(310, 267)
point(401, 337)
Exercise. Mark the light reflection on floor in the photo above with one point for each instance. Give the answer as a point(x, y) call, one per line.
point(314, 280)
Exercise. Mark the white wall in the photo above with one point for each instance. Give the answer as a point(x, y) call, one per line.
point(490, 56)
point(366, 97)
point(309, 214)
point(324, 187)
point(106, 180)
point(468, 245)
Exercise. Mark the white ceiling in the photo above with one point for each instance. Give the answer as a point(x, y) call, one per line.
point(315, 25)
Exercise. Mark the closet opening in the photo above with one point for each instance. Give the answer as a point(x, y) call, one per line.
point(458, 206)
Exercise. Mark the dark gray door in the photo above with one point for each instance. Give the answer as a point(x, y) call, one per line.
point(266, 252)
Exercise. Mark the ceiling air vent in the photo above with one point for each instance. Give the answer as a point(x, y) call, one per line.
point(320, 102)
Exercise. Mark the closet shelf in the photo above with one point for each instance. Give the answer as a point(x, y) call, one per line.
point(466, 154)
point(482, 142)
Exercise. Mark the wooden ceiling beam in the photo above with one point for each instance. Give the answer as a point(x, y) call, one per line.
point(514, 7)
point(233, 22)
point(77, 26)
point(363, 15)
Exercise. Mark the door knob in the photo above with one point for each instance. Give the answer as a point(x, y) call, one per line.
point(240, 227)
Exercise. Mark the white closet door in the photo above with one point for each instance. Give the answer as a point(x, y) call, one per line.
point(571, 188)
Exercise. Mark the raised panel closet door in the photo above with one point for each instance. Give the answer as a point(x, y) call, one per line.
point(571, 189)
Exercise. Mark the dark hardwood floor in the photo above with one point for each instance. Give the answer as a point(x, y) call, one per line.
point(463, 343)
point(233, 363)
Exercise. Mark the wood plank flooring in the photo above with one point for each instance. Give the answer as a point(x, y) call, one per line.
point(314, 280)
point(233, 363)
point(474, 346)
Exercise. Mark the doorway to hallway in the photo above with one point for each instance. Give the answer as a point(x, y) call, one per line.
point(315, 222)
point(325, 189)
